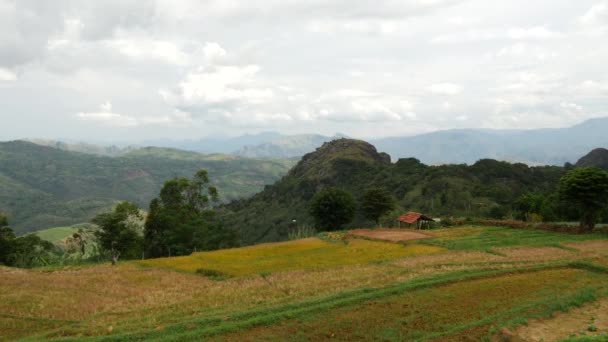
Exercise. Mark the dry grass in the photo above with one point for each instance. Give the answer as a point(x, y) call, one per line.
point(311, 253)
point(415, 314)
point(129, 297)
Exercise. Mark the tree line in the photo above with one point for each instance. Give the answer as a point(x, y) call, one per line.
point(183, 219)
point(582, 194)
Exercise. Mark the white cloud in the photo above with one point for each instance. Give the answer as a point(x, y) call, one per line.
point(220, 85)
point(524, 51)
point(213, 51)
point(300, 66)
point(72, 29)
point(149, 48)
point(107, 117)
point(7, 75)
point(491, 34)
point(569, 106)
point(359, 26)
point(596, 15)
point(355, 105)
point(445, 89)
point(537, 32)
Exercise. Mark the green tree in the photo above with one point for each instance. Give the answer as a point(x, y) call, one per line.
point(25, 251)
point(332, 208)
point(181, 220)
point(587, 190)
point(375, 203)
point(6, 237)
point(29, 251)
point(117, 236)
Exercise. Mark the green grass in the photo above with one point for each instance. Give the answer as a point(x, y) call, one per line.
point(56, 234)
point(486, 239)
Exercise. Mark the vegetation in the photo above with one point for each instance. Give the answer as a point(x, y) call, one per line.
point(587, 190)
point(43, 187)
point(120, 232)
point(181, 221)
point(486, 188)
point(332, 208)
point(314, 289)
point(375, 203)
point(24, 251)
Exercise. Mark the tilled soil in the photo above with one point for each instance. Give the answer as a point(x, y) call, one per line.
point(392, 235)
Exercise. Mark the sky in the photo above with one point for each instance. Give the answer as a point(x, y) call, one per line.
point(123, 70)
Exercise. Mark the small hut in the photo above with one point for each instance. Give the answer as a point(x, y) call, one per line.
point(420, 220)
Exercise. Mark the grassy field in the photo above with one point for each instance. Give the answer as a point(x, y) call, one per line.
point(469, 283)
point(56, 234)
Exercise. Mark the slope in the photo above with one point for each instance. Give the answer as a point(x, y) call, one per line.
point(43, 187)
point(597, 158)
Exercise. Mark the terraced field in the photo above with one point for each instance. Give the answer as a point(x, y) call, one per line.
point(469, 283)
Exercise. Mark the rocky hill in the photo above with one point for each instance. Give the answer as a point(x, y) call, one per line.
point(284, 146)
point(598, 158)
point(486, 187)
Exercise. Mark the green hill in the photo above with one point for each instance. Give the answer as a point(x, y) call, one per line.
point(446, 190)
point(43, 187)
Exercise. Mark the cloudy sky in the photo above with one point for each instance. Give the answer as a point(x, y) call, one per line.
point(134, 70)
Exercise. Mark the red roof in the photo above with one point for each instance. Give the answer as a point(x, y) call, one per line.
point(412, 217)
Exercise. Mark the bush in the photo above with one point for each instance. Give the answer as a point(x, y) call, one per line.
point(212, 274)
point(302, 232)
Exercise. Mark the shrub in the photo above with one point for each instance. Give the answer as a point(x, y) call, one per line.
point(212, 274)
point(302, 232)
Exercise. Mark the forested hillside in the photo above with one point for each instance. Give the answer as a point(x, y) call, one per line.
point(486, 188)
point(44, 187)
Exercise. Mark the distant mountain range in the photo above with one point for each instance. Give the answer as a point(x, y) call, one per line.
point(549, 146)
point(83, 147)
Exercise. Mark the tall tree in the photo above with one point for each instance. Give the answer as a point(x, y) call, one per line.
point(587, 190)
point(116, 235)
point(375, 203)
point(181, 219)
point(332, 208)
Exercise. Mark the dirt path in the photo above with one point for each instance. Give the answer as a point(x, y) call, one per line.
point(392, 235)
point(591, 319)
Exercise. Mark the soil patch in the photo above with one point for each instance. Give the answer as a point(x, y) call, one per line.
point(591, 319)
point(391, 235)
